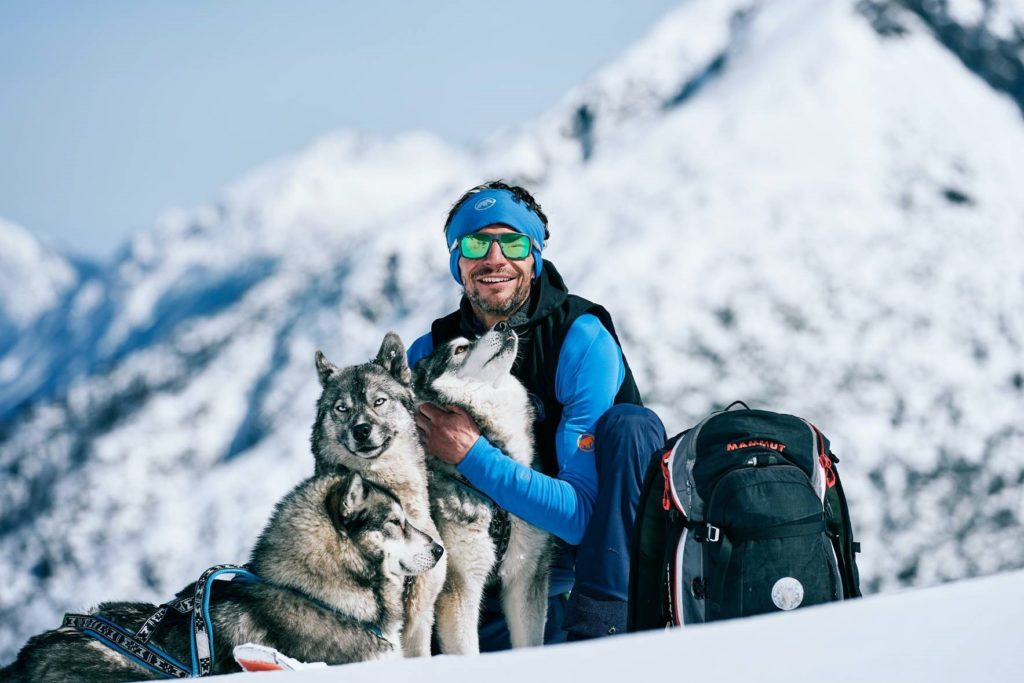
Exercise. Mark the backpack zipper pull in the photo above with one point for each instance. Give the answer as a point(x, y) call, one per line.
point(824, 457)
point(666, 500)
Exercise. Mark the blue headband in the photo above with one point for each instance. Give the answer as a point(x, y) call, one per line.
point(487, 208)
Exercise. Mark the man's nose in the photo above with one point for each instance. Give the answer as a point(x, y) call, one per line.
point(494, 253)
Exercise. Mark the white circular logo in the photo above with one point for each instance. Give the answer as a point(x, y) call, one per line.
point(485, 204)
point(787, 593)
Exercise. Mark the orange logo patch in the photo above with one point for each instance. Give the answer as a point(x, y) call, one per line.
point(585, 442)
point(773, 445)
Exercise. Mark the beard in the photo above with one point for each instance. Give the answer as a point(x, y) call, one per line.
point(499, 307)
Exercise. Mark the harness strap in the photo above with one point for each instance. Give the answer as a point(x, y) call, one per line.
point(145, 632)
point(137, 647)
point(370, 627)
point(180, 605)
point(202, 634)
point(120, 640)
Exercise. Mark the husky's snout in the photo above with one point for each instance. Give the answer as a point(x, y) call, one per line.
point(424, 554)
point(366, 440)
point(361, 432)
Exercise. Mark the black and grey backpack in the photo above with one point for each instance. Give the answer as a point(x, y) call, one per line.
point(742, 514)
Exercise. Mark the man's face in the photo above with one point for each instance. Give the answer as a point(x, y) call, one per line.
point(496, 286)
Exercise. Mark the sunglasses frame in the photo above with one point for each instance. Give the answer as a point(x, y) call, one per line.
point(503, 239)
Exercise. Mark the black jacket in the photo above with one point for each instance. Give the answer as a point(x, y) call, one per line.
point(542, 326)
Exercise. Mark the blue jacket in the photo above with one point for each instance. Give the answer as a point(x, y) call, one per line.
point(590, 372)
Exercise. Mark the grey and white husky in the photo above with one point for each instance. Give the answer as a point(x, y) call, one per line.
point(476, 376)
point(365, 423)
point(334, 557)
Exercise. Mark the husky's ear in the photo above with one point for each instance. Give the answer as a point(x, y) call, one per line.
point(392, 358)
point(355, 494)
point(345, 497)
point(324, 368)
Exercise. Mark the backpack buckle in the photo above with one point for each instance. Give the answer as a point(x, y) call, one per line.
point(704, 532)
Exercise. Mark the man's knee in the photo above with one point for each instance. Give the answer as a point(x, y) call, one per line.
point(628, 435)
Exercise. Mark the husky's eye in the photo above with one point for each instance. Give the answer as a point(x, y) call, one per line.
point(340, 408)
point(379, 402)
point(461, 349)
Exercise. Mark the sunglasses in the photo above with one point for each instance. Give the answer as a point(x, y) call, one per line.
point(513, 245)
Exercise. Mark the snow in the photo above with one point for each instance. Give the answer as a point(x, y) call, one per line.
point(829, 224)
point(966, 631)
point(32, 276)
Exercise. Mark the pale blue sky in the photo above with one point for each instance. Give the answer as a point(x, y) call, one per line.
point(111, 112)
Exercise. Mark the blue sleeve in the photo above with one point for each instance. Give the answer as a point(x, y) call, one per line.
point(589, 374)
point(420, 349)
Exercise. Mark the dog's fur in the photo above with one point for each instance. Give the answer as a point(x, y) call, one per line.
point(365, 422)
point(476, 376)
point(336, 538)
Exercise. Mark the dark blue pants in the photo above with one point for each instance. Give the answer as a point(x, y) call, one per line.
point(626, 439)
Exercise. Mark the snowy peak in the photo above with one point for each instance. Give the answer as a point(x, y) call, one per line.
point(700, 40)
point(32, 276)
point(986, 35)
point(778, 201)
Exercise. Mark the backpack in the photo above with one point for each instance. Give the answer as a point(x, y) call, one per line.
point(743, 514)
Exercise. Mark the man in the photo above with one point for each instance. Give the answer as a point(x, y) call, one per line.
point(593, 437)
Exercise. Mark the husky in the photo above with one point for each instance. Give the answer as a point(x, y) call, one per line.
point(365, 422)
point(476, 376)
point(333, 562)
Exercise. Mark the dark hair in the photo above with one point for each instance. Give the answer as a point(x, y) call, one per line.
point(518, 193)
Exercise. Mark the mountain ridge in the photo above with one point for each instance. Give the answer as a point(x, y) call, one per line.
point(824, 225)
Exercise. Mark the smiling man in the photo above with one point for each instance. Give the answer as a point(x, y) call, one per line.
point(593, 438)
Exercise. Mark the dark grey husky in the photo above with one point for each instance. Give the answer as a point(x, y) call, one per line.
point(476, 376)
point(364, 422)
point(333, 558)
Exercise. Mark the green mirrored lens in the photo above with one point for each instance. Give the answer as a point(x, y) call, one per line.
point(475, 246)
point(513, 245)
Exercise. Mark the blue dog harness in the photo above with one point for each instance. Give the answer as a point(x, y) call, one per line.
point(136, 646)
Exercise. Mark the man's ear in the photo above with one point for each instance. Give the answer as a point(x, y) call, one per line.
point(392, 358)
point(324, 369)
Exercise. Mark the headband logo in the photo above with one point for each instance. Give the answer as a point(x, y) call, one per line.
point(485, 204)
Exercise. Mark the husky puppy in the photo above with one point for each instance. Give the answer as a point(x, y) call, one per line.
point(334, 558)
point(364, 422)
point(476, 376)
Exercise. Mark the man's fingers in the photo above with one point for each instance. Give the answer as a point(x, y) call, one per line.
point(430, 411)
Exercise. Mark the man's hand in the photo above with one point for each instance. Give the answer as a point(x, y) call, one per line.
point(446, 433)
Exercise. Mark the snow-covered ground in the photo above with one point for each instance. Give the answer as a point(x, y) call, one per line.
point(964, 631)
point(803, 204)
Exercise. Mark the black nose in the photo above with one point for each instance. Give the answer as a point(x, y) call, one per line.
point(361, 431)
point(437, 551)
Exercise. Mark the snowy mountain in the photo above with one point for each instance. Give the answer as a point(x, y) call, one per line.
point(33, 278)
point(812, 206)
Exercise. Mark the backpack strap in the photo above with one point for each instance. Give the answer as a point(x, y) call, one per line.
point(840, 533)
point(649, 572)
